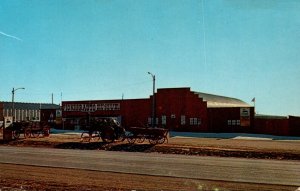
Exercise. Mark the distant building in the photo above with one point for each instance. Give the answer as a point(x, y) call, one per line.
point(277, 125)
point(28, 111)
point(178, 109)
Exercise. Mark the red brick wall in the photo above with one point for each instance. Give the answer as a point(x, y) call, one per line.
point(272, 126)
point(218, 120)
point(135, 112)
point(294, 126)
point(174, 103)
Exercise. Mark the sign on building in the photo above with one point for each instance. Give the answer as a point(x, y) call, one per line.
point(245, 116)
point(8, 120)
point(92, 107)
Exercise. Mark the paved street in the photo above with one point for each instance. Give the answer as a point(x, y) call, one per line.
point(208, 168)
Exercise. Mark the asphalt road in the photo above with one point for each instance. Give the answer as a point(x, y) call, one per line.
point(205, 168)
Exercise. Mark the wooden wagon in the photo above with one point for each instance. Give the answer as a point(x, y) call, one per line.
point(140, 134)
point(29, 129)
point(106, 128)
point(37, 129)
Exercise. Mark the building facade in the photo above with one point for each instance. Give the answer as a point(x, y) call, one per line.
point(277, 125)
point(178, 109)
point(28, 111)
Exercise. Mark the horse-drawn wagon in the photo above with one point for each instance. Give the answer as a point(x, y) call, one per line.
point(108, 129)
point(140, 134)
point(29, 129)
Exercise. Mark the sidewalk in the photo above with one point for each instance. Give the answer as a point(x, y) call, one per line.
point(242, 136)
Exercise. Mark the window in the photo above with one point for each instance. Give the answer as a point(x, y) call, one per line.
point(233, 122)
point(163, 120)
point(228, 122)
point(199, 121)
point(191, 121)
point(149, 120)
point(195, 121)
point(182, 120)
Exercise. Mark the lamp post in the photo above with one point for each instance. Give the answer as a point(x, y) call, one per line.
point(153, 101)
point(13, 101)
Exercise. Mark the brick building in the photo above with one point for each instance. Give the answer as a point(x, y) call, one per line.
point(178, 109)
point(277, 125)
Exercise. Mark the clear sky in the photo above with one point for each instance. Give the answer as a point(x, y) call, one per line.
point(101, 49)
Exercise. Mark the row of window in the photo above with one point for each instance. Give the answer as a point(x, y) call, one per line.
point(192, 121)
point(22, 114)
point(233, 122)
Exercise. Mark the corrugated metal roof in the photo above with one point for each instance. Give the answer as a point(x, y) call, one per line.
point(262, 116)
point(30, 106)
point(215, 101)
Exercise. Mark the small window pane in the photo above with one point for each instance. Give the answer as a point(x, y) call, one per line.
point(229, 122)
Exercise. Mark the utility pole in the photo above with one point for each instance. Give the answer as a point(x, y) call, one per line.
point(13, 102)
point(153, 121)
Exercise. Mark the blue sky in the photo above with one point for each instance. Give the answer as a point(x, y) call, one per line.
point(101, 49)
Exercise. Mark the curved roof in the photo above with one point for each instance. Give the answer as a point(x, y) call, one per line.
point(215, 101)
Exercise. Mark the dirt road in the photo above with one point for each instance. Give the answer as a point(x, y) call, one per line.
point(21, 178)
point(14, 177)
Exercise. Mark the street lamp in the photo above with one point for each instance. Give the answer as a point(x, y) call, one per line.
point(153, 101)
point(13, 101)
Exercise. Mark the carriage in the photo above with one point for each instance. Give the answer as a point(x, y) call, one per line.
point(140, 134)
point(29, 129)
point(108, 129)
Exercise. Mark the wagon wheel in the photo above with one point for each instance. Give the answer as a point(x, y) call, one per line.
point(122, 135)
point(35, 133)
point(16, 134)
point(96, 136)
point(140, 139)
point(161, 140)
point(153, 140)
point(131, 139)
point(45, 132)
point(27, 133)
point(85, 136)
point(108, 135)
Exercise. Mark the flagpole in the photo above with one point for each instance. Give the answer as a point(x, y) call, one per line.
point(253, 100)
point(254, 106)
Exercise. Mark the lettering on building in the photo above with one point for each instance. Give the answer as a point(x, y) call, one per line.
point(92, 107)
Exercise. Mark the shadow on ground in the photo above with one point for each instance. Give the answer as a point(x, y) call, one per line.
point(106, 146)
